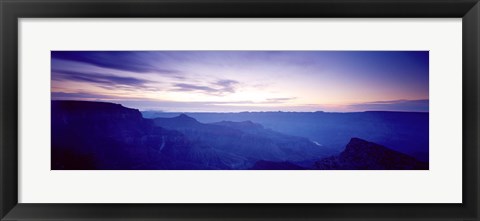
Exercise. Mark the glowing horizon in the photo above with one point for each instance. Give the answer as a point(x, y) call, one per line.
point(238, 81)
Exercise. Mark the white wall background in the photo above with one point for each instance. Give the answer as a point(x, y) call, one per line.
point(441, 184)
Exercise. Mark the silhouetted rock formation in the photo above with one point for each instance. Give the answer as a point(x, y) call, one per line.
point(363, 155)
point(106, 136)
point(97, 135)
point(405, 132)
point(245, 141)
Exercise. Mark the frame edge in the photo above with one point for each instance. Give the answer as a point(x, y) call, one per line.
point(11, 210)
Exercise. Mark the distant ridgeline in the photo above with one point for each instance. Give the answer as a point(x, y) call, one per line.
point(405, 132)
point(107, 136)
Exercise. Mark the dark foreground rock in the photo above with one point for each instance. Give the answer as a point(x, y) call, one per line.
point(363, 155)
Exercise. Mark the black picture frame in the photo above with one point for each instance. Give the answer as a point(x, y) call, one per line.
point(12, 10)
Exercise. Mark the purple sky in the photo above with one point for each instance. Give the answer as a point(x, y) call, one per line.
point(234, 81)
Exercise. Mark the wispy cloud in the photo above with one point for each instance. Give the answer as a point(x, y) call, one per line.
point(281, 99)
point(227, 85)
point(394, 105)
point(193, 106)
point(103, 80)
point(239, 80)
point(121, 60)
point(79, 96)
point(217, 88)
point(191, 87)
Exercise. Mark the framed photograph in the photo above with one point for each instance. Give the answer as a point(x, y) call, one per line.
point(228, 110)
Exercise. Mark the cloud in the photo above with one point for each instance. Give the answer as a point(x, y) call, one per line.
point(227, 85)
point(191, 87)
point(394, 105)
point(217, 88)
point(280, 99)
point(78, 96)
point(177, 106)
point(139, 62)
point(103, 80)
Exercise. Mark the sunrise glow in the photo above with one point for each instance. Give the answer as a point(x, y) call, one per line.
point(235, 81)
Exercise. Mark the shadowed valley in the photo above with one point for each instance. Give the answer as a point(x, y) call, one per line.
point(107, 136)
